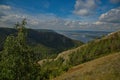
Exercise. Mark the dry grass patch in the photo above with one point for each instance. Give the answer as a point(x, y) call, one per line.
point(105, 68)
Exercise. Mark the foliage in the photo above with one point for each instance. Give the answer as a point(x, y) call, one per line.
point(16, 60)
point(44, 43)
point(104, 68)
point(87, 52)
point(97, 48)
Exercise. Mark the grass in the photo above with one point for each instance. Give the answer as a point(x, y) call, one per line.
point(97, 70)
point(105, 68)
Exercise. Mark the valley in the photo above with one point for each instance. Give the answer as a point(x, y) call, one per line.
point(59, 39)
point(55, 56)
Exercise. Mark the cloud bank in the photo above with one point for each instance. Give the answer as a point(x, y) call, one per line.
point(115, 1)
point(111, 16)
point(107, 21)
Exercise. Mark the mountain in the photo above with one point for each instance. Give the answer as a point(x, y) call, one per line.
point(93, 49)
point(51, 39)
point(107, 45)
point(104, 68)
point(42, 41)
point(83, 35)
point(4, 32)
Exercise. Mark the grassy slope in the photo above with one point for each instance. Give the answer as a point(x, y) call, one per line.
point(97, 48)
point(105, 68)
point(109, 44)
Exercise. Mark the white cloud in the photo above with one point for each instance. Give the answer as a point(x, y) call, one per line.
point(115, 1)
point(85, 7)
point(99, 23)
point(38, 21)
point(111, 16)
point(5, 7)
point(107, 21)
point(82, 12)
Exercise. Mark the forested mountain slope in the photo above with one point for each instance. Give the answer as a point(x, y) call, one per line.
point(43, 42)
point(109, 44)
point(93, 49)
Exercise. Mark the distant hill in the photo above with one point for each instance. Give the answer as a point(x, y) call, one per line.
point(83, 35)
point(50, 39)
point(105, 68)
point(45, 30)
point(4, 32)
point(42, 40)
point(91, 50)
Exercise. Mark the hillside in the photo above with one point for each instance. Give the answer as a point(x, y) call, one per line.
point(105, 68)
point(52, 67)
point(109, 44)
point(93, 49)
point(51, 39)
point(42, 41)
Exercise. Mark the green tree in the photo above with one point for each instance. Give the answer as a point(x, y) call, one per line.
point(16, 60)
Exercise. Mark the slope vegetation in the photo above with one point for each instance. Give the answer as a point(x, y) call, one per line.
point(94, 49)
point(47, 38)
point(43, 42)
point(97, 48)
point(109, 44)
point(105, 68)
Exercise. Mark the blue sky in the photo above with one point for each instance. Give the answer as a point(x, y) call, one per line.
point(59, 8)
point(62, 14)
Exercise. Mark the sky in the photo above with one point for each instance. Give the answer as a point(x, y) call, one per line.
point(62, 14)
